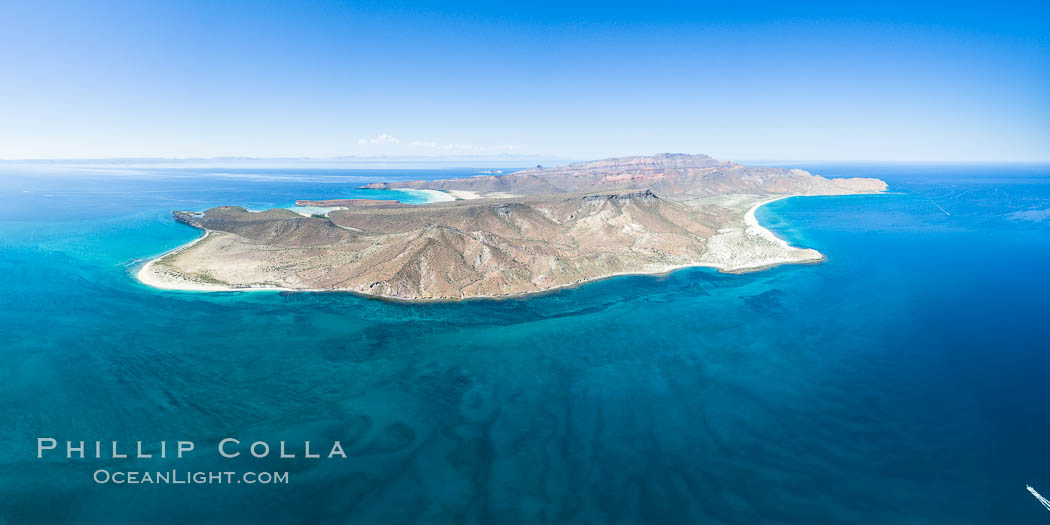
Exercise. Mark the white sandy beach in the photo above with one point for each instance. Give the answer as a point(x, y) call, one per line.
point(429, 195)
point(755, 228)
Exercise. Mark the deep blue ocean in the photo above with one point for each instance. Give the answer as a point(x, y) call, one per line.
point(904, 380)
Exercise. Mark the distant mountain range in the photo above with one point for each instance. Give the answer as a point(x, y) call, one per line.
point(668, 175)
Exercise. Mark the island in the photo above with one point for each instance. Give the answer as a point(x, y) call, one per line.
point(503, 235)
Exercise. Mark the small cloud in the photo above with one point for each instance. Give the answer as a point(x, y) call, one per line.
point(1031, 215)
point(382, 138)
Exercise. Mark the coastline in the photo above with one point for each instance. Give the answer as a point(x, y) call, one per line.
point(429, 195)
point(148, 277)
point(753, 227)
point(752, 222)
point(452, 195)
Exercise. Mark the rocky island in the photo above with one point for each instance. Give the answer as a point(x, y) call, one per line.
point(522, 232)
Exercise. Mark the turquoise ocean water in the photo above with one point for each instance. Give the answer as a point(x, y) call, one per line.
point(904, 380)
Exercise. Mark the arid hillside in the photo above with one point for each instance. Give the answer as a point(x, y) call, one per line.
point(563, 226)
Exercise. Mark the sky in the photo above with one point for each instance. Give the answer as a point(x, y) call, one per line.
point(779, 81)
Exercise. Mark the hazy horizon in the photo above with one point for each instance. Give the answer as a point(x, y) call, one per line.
point(480, 161)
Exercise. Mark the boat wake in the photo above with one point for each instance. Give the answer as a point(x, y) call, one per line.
point(1038, 497)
